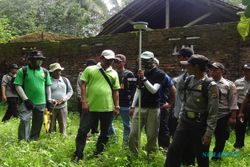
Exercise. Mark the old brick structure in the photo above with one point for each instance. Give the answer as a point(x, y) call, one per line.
point(219, 42)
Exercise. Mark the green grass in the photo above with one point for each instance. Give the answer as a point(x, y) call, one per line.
point(54, 150)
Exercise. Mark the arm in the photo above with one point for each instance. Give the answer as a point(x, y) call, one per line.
point(152, 88)
point(233, 98)
point(69, 93)
point(243, 107)
point(21, 92)
point(4, 97)
point(85, 106)
point(132, 108)
point(48, 93)
point(213, 105)
point(116, 101)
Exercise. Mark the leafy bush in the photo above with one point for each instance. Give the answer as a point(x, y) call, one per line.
point(54, 150)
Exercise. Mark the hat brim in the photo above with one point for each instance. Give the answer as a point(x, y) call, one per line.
point(184, 63)
point(176, 54)
point(118, 59)
point(52, 70)
point(109, 57)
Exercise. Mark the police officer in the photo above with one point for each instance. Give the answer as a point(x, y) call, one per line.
point(242, 85)
point(198, 120)
point(227, 108)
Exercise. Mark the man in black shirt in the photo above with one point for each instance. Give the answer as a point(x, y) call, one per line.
point(126, 93)
point(152, 78)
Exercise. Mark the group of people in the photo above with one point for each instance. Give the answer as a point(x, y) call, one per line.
point(191, 107)
point(29, 89)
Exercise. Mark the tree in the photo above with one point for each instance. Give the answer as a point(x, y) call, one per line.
point(244, 23)
point(6, 32)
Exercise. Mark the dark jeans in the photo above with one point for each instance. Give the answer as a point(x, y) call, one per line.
point(94, 128)
point(163, 135)
point(176, 149)
point(86, 123)
point(172, 123)
point(240, 128)
point(12, 108)
point(221, 135)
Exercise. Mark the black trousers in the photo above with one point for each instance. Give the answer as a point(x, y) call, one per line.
point(12, 108)
point(163, 135)
point(94, 128)
point(187, 135)
point(221, 135)
point(240, 129)
point(86, 122)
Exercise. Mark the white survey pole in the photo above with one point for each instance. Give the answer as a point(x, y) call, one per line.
point(139, 26)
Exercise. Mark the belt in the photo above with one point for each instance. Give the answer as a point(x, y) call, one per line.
point(193, 116)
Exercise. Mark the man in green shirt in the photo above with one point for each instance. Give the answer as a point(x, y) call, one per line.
point(100, 98)
point(33, 85)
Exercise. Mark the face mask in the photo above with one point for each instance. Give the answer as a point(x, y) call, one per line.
point(36, 63)
point(147, 65)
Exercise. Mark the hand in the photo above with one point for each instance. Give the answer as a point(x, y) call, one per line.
point(4, 98)
point(232, 120)
point(205, 140)
point(131, 111)
point(85, 107)
point(166, 106)
point(28, 104)
point(53, 101)
point(60, 101)
point(116, 110)
point(241, 116)
point(140, 74)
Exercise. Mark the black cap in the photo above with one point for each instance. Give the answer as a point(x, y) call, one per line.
point(13, 66)
point(187, 52)
point(217, 65)
point(36, 54)
point(246, 66)
point(90, 62)
point(196, 59)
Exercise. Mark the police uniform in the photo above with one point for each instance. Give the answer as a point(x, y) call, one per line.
point(227, 103)
point(240, 128)
point(198, 119)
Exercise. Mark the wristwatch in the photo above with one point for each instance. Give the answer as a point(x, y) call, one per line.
point(117, 107)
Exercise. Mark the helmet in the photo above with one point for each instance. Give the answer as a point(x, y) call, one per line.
point(36, 54)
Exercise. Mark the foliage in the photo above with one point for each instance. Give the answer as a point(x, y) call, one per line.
point(6, 33)
point(243, 25)
point(81, 18)
point(54, 150)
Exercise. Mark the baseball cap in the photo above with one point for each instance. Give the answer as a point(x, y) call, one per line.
point(196, 59)
point(36, 54)
point(217, 65)
point(147, 55)
point(108, 54)
point(246, 66)
point(184, 52)
point(13, 66)
point(120, 57)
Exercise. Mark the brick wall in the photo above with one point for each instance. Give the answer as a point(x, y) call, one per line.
point(219, 42)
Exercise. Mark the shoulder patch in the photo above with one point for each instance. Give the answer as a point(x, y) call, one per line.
point(213, 91)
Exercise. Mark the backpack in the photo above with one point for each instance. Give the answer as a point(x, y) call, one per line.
point(11, 84)
point(66, 83)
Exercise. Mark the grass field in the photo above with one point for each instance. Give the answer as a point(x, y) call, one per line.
point(54, 150)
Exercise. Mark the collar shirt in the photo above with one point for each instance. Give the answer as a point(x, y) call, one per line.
point(6, 81)
point(60, 91)
point(227, 97)
point(241, 86)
